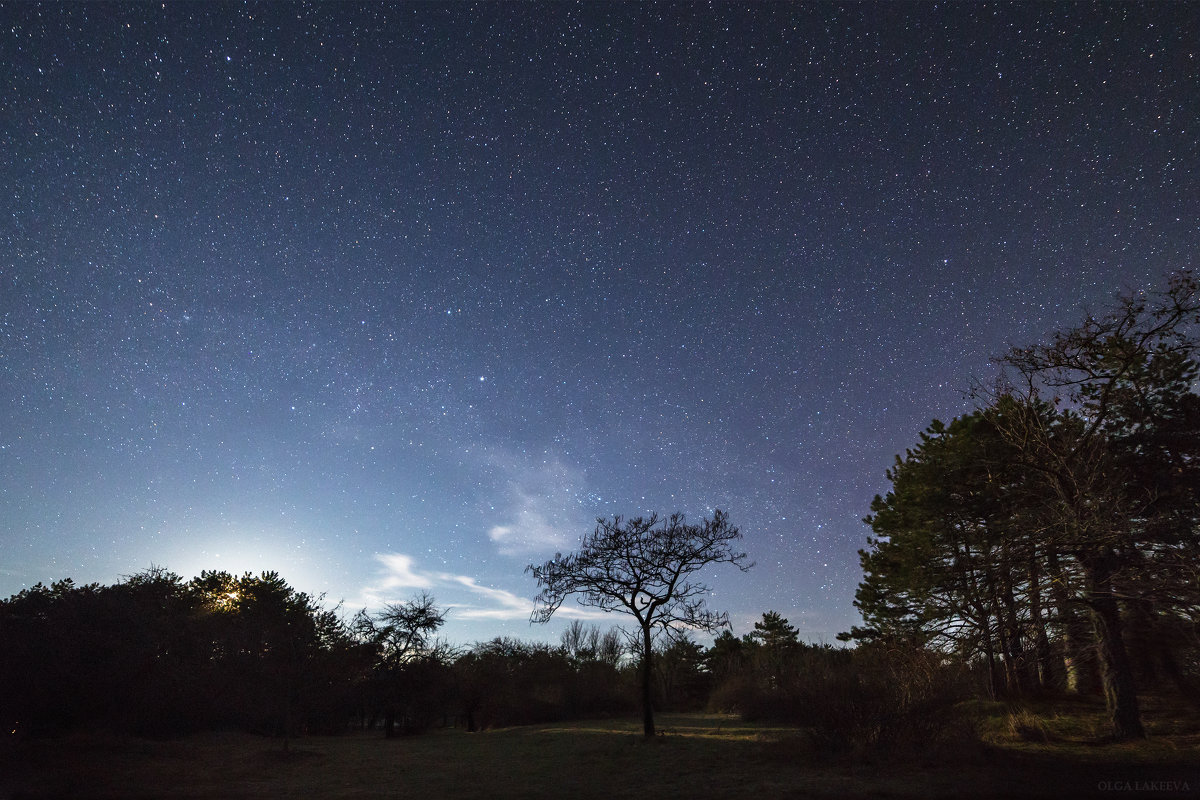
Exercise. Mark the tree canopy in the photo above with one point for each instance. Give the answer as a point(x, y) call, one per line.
point(1073, 491)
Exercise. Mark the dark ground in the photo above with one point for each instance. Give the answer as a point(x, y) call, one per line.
point(699, 756)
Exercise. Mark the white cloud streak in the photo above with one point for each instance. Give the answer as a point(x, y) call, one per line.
point(400, 574)
point(462, 595)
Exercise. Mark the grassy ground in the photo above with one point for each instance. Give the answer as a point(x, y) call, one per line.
point(1051, 751)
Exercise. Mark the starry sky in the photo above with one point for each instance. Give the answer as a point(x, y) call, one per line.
point(394, 298)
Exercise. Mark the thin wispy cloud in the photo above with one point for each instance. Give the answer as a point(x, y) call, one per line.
point(540, 509)
point(464, 596)
point(533, 527)
point(400, 573)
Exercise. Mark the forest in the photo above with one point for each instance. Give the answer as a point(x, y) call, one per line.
point(1040, 548)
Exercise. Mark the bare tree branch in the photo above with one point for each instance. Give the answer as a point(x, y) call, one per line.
point(643, 567)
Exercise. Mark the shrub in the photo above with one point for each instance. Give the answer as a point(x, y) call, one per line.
point(880, 699)
point(1023, 724)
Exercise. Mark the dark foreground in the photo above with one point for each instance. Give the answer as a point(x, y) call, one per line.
point(699, 756)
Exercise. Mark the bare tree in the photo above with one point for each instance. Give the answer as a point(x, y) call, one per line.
point(1089, 515)
point(644, 567)
point(611, 648)
point(581, 642)
point(1116, 447)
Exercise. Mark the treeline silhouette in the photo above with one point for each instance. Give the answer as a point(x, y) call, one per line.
point(155, 655)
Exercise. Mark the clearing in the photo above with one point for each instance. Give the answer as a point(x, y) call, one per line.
point(1039, 752)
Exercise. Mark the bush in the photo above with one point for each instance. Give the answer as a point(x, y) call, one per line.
point(893, 699)
point(1027, 726)
point(880, 699)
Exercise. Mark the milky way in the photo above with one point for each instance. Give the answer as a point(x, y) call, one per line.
point(401, 298)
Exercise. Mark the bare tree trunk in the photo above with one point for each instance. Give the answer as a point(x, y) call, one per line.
point(287, 726)
point(1144, 642)
point(1004, 644)
point(1120, 691)
point(995, 683)
point(389, 724)
point(1024, 670)
point(1080, 672)
point(983, 607)
point(1049, 676)
point(647, 680)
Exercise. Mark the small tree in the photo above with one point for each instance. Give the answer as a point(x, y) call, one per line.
point(775, 632)
point(580, 643)
point(402, 637)
point(643, 567)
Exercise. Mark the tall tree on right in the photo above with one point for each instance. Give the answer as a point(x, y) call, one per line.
point(1118, 461)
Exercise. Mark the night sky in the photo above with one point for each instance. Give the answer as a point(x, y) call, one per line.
point(403, 297)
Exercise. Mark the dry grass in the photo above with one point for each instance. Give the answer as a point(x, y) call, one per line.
point(699, 756)
point(1078, 731)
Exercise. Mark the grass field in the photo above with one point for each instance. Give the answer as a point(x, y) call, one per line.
point(1039, 752)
